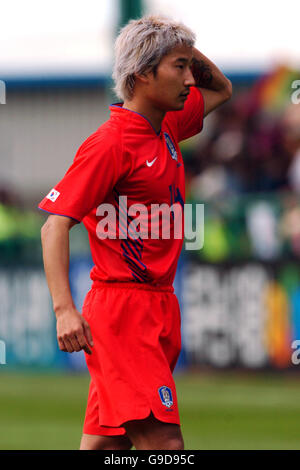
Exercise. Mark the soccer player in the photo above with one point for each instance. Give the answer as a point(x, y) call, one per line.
point(129, 328)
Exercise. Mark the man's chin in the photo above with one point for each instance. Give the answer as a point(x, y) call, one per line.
point(180, 106)
point(177, 107)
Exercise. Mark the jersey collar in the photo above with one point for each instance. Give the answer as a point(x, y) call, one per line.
point(117, 109)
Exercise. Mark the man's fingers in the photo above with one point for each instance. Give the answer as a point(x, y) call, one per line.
point(68, 345)
point(61, 345)
point(87, 332)
point(74, 341)
point(87, 349)
point(83, 342)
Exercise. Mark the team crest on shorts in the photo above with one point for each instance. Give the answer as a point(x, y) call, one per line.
point(165, 394)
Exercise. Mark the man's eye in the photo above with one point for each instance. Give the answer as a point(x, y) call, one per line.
point(179, 66)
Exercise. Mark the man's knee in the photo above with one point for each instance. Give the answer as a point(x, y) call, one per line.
point(93, 442)
point(158, 442)
point(151, 433)
point(175, 444)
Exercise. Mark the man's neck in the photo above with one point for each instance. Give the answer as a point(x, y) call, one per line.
point(154, 115)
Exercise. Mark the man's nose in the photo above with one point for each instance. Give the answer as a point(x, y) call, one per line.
point(189, 78)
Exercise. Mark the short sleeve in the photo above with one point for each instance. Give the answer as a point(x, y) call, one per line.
point(189, 121)
point(96, 168)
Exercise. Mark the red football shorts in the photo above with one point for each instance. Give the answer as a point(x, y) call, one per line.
point(136, 335)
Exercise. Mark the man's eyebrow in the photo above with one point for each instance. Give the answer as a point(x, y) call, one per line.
point(183, 60)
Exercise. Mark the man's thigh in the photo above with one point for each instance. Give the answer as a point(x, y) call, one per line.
point(152, 434)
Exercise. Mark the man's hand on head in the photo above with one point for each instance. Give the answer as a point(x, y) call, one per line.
point(216, 89)
point(202, 73)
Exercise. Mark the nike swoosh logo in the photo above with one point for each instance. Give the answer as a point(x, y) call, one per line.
point(151, 163)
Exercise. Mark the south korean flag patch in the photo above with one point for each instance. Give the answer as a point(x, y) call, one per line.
point(53, 195)
point(165, 394)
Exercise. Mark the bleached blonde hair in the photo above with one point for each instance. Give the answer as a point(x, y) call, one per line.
point(141, 45)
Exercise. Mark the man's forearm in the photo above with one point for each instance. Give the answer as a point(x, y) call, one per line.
point(73, 331)
point(206, 73)
point(55, 243)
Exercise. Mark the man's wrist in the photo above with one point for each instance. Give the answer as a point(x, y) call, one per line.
point(62, 308)
point(206, 73)
point(202, 73)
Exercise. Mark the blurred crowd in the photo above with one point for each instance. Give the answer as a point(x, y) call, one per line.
point(251, 144)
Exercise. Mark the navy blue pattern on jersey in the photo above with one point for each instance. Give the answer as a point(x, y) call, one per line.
point(132, 248)
point(171, 146)
point(175, 196)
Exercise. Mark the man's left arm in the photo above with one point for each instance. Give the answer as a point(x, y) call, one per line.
point(215, 87)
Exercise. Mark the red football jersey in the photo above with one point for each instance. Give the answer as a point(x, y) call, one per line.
point(127, 157)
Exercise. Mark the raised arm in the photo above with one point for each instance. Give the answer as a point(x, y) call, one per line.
point(73, 331)
point(215, 87)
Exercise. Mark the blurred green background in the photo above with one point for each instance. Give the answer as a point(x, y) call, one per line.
point(218, 411)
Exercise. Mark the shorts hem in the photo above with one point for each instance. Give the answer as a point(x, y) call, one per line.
point(109, 432)
point(163, 419)
point(114, 431)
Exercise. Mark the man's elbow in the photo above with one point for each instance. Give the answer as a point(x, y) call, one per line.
point(45, 230)
point(51, 224)
point(56, 224)
point(227, 92)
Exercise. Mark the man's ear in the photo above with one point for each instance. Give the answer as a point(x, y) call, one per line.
point(143, 77)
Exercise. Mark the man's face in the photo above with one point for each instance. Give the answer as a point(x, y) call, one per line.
point(168, 89)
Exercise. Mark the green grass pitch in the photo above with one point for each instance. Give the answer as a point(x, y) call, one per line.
point(222, 410)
